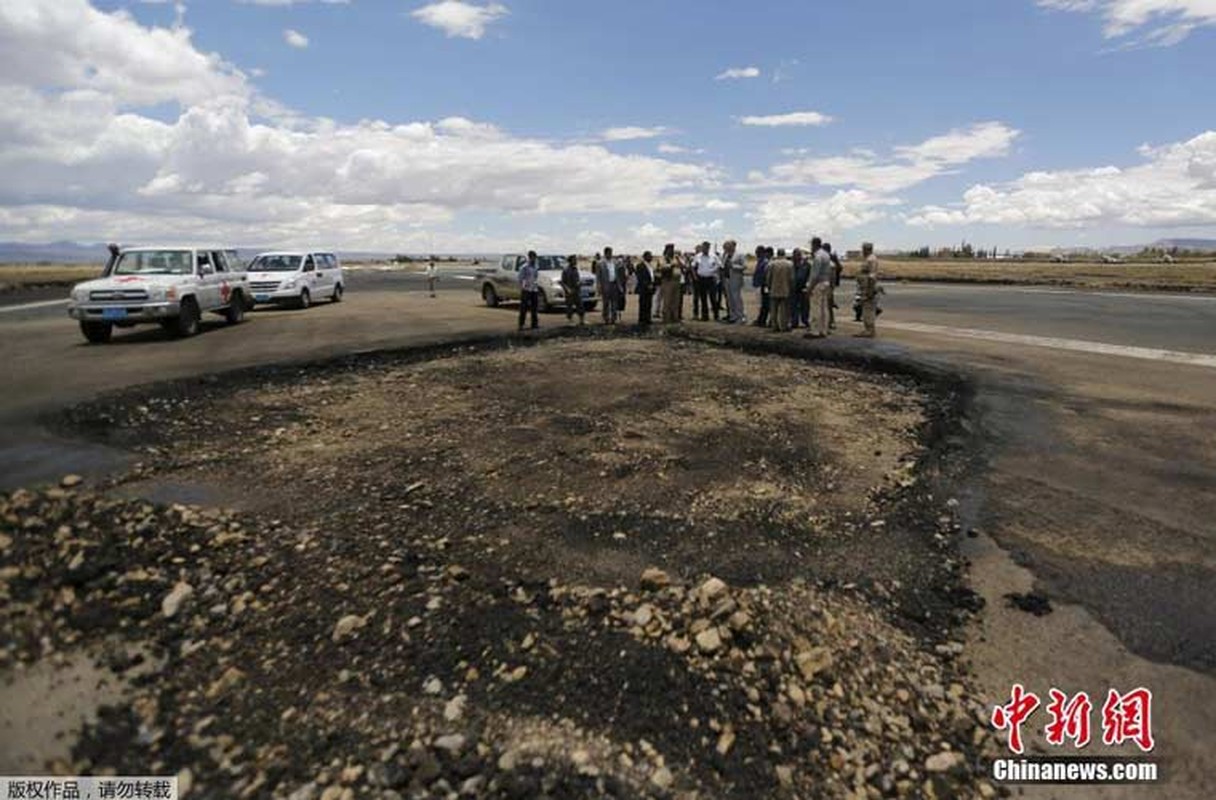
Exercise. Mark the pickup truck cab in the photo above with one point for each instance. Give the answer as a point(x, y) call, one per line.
point(297, 277)
point(501, 282)
point(172, 286)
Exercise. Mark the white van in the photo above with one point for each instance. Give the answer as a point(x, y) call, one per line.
point(296, 277)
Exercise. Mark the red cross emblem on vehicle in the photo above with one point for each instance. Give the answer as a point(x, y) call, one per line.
point(225, 291)
point(130, 279)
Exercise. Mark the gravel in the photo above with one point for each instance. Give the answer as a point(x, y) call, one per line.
point(432, 624)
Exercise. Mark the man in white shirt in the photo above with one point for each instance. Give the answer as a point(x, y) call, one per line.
point(432, 274)
point(705, 267)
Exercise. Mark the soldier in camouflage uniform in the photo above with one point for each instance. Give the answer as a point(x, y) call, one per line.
point(867, 289)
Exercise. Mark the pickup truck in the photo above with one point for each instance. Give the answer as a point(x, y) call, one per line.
point(501, 282)
point(172, 286)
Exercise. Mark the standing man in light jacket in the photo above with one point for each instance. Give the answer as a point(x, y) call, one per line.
point(734, 265)
point(822, 272)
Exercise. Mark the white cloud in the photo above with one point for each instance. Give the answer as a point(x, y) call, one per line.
point(290, 2)
point(907, 166)
point(71, 44)
point(627, 133)
point(1159, 22)
point(457, 18)
point(669, 149)
point(295, 38)
point(718, 204)
point(981, 140)
point(735, 73)
point(83, 159)
point(1175, 187)
point(796, 218)
point(794, 118)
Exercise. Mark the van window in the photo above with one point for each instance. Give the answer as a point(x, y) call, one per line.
point(308, 265)
point(220, 260)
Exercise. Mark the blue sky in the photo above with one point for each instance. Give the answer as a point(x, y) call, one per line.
point(461, 126)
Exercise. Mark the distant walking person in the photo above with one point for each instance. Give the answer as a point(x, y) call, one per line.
point(706, 268)
point(868, 290)
point(573, 290)
point(432, 275)
point(670, 286)
point(645, 288)
point(780, 279)
point(606, 277)
point(529, 290)
point(820, 283)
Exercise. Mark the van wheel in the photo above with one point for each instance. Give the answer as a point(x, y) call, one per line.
point(187, 321)
point(97, 332)
point(489, 295)
point(305, 299)
point(337, 298)
point(235, 312)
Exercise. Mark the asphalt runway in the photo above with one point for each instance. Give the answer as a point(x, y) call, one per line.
point(1096, 485)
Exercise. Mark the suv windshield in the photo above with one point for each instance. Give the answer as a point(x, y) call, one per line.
point(154, 262)
point(543, 263)
point(278, 263)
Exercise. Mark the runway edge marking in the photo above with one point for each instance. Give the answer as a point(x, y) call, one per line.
point(1075, 345)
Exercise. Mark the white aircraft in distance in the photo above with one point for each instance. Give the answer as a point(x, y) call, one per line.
point(1110, 259)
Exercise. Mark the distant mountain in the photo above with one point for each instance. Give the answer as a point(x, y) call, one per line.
point(73, 253)
point(1186, 244)
point(55, 252)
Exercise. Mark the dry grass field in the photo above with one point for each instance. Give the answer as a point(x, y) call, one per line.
point(1184, 276)
point(21, 276)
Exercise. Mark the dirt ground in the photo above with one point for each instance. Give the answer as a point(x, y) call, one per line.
point(604, 566)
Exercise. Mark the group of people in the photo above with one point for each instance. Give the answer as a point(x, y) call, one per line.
point(798, 290)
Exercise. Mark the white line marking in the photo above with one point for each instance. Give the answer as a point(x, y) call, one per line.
point(1077, 345)
point(910, 288)
point(42, 304)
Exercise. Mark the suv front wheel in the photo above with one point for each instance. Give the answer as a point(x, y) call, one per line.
point(187, 321)
point(489, 295)
point(97, 332)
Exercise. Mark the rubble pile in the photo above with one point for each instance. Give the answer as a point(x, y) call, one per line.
point(417, 618)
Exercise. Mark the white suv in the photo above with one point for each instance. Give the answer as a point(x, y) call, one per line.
point(173, 286)
point(296, 277)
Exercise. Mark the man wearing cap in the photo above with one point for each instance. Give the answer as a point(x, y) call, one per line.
point(867, 290)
